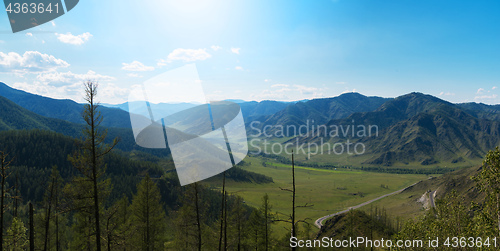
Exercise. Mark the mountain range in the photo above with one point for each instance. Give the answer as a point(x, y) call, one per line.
point(412, 128)
point(318, 111)
point(249, 109)
point(64, 109)
point(419, 128)
point(15, 117)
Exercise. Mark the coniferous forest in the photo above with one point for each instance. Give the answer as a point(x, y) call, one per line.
point(64, 193)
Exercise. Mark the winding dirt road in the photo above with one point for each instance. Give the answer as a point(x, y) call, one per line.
point(319, 222)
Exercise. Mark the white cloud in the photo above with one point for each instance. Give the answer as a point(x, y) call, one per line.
point(161, 62)
point(136, 66)
point(446, 94)
point(267, 80)
point(68, 78)
point(215, 47)
point(29, 34)
point(270, 95)
point(235, 50)
point(494, 87)
point(134, 75)
point(279, 85)
point(30, 61)
point(113, 94)
point(69, 85)
point(238, 68)
point(69, 38)
point(53, 23)
point(493, 96)
point(186, 55)
point(306, 90)
point(287, 92)
point(341, 83)
point(480, 90)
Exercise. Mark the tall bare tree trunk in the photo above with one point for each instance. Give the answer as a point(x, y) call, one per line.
point(16, 198)
point(3, 201)
point(5, 174)
point(90, 161)
point(47, 215)
point(225, 220)
point(91, 96)
point(293, 199)
point(198, 222)
point(148, 237)
point(238, 221)
point(32, 229)
point(266, 224)
point(222, 209)
point(58, 245)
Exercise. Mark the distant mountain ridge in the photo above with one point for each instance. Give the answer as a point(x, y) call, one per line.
point(64, 109)
point(413, 128)
point(420, 128)
point(15, 117)
point(249, 109)
point(320, 111)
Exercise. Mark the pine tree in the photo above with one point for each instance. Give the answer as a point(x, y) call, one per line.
point(4, 172)
point(188, 222)
point(268, 219)
point(148, 215)
point(291, 219)
point(237, 227)
point(118, 228)
point(260, 221)
point(16, 236)
point(50, 205)
point(89, 161)
point(256, 229)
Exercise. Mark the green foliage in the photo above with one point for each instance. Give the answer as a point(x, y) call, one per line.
point(451, 217)
point(51, 213)
point(237, 228)
point(147, 216)
point(374, 225)
point(488, 181)
point(16, 239)
point(36, 151)
point(185, 221)
point(260, 231)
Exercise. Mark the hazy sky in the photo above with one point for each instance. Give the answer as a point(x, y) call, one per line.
point(255, 50)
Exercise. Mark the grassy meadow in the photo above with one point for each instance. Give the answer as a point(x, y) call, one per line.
point(325, 155)
point(329, 191)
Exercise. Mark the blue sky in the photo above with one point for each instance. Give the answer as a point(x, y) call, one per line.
point(256, 50)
